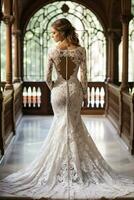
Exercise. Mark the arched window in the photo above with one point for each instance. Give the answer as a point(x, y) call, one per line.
point(131, 51)
point(37, 39)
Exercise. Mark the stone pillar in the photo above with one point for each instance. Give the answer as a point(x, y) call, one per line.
point(125, 33)
point(124, 83)
point(17, 41)
point(126, 17)
point(1, 123)
point(17, 37)
point(132, 126)
point(8, 20)
point(109, 55)
point(113, 44)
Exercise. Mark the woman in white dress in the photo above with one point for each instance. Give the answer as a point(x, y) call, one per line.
point(69, 165)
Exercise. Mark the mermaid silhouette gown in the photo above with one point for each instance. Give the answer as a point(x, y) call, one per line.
point(68, 166)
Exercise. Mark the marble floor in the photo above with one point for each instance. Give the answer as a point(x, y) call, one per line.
point(31, 133)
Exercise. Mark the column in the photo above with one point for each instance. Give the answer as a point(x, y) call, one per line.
point(114, 36)
point(126, 17)
point(1, 123)
point(8, 20)
point(125, 33)
point(17, 41)
point(17, 37)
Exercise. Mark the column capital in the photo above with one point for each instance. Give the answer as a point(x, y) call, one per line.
point(113, 30)
point(126, 18)
point(8, 19)
point(114, 34)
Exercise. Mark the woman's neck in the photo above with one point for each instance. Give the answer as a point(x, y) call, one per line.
point(64, 43)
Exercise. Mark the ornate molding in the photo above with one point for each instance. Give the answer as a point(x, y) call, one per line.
point(126, 18)
point(65, 8)
point(114, 33)
point(113, 30)
point(8, 19)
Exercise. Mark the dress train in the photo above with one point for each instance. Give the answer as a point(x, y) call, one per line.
point(69, 165)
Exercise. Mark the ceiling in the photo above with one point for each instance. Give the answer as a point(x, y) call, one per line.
point(102, 8)
point(107, 11)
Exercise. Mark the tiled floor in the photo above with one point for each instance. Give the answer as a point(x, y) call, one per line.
point(32, 131)
point(111, 146)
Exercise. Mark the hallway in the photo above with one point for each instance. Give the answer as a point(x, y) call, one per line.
point(32, 131)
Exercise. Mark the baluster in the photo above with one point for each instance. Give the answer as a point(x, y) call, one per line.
point(29, 96)
point(97, 97)
point(1, 89)
point(129, 90)
point(92, 97)
point(102, 97)
point(88, 96)
point(38, 97)
point(34, 97)
point(24, 97)
point(133, 90)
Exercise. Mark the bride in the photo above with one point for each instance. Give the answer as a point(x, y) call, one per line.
point(68, 166)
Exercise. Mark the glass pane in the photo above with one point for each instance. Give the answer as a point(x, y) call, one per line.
point(131, 51)
point(38, 39)
point(132, 7)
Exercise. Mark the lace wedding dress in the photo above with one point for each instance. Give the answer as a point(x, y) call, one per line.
point(68, 166)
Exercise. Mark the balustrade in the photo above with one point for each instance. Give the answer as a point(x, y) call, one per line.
point(32, 97)
point(96, 95)
point(35, 95)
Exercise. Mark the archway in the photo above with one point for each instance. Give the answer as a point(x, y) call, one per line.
point(37, 40)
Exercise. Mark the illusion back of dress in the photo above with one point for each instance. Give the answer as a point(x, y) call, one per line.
point(65, 71)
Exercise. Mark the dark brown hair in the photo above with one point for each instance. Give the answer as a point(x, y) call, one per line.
point(64, 26)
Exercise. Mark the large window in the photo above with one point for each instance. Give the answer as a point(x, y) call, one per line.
point(37, 39)
point(131, 51)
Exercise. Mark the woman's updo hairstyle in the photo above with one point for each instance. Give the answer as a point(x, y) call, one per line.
point(67, 30)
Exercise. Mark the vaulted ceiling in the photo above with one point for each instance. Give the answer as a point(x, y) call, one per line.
point(108, 11)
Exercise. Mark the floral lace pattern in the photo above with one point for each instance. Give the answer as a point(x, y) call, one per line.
point(68, 166)
point(77, 56)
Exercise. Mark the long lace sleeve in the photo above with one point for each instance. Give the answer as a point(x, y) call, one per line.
point(49, 71)
point(83, 72)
